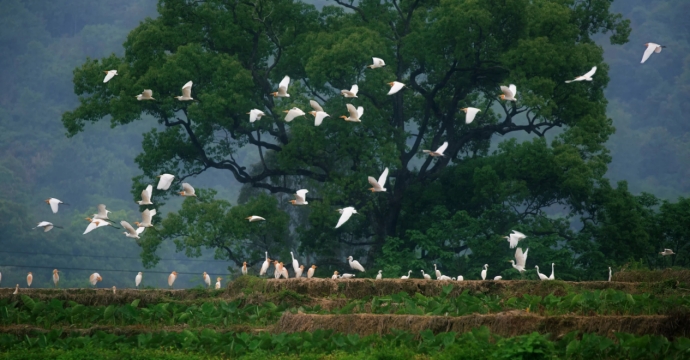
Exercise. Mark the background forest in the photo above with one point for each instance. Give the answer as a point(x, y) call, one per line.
point(632, 212)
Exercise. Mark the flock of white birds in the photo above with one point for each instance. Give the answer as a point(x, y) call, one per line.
point(100, 219)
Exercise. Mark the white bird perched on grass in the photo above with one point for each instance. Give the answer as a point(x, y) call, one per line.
point(377, 63)
point(509, 93)
point(187, 190)
point(255, 114)
point(16, 290)
point(585, 77)
point(97, 223)
point(53, 202)
point(254, 218)
point(335, 275)
point(137, 279)
point(444, 277)
point(293, 113)
point(379, 276)
point(663, 253)
point(345, 215)
point(244, 268)
point(426, 276)
point(146, 218)
point(56, 277)
point(541, 276)
point(317, 113)
point(265, 265)
point(609, 273)
point(405, 277)
point(295, 263)
point(186, 92)
point(551, 277)
point(499, 277)
point(354, 264)
point(299, 271)
point(109, 75)
point(147, 94)
point(352, 93)
point(300, 197)
point(514, 238)
point(47, 226)
point(651, 48)
point(29, 278)
point(437, 272)
point(395, 87)
point(207, 280)
point(146, 195)
point(439, 151)
point(355, 114)
point(486, 267)
point(164, 182)
point(282, 88)
point(470, 114)
point(378, 186)
point(521, 259)
point(347, 276)
point(310, 272)
point(218, 279)
point(95, 278)
point(460, 278)
point(129, 232)
point(171, 278)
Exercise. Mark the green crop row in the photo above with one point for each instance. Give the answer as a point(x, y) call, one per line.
point(478, 344)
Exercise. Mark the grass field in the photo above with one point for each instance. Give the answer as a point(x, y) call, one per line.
point(354, 319)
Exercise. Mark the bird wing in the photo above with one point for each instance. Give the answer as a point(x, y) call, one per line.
point(146, 194)
point(128, 227)
point(442, 148)
point(54, 205)
point(91, 227)
point(109, 76)
point(353, 112)
point(374, 183)
point(383, 177)
point(320, 115)
point(360, 112)
point(471, 113)
point(513, 89)
point(283, 86)
point(302, 194)
point(147, 93)
point(590, 73)
point(519, 235)
point(357, 266)
point(187, 89)
point(43, 223)
point(291, 114)
point(165, 181)
point(253, 115)
point(378, 61)
point(140, 230)
point(188, 189)
point(347, 212)
point(520, 257)
point(354, 89)
point(647, 53)
point(395, 88)
point(146, 216)
point(101, 211)
point(315, 105)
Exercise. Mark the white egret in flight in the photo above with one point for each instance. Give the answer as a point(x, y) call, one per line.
point(255, 114)
point(355, 114)
point(186, 92)
point(282, 88)
point(352, 93)
point(651, 48)
point(345, 215)
point(509, 93)
point(164, 182)
point(109, 75)
point(317, 113)
point(521, 259)
point(378, 186)
point(585, 77)
point(147, 94)
point(395, 87)
point(53, 202)
point(470, 114)
point(377, 63)
point(439, 151)
point(300, 197)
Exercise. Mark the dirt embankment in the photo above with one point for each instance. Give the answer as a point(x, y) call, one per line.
point(511, 323)
point(681, 277)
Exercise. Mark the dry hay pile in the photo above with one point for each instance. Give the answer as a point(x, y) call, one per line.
point(681, 276)
point(105, 297)
point(511, 323)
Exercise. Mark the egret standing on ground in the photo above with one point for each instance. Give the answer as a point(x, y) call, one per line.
point(298, 272)
point(509, 93)
point(146, 196)
point(147, 94)
point(609, 273)
point(94, 279)
point(244, 268)
point(207, 280)
point(470, 114)
point(295, 263)
point(352, 93)
point(437, 272)
point(541, 276)
point(460, 278)
point(551, 277)
point(486, 267)
point(318, 113)
point(426, 276)
point(186, 92)
point(310, 272)
point(284, 271)
point(255, 114)
point(499, 277)
point(439, 151)
point(377, 63)
point(651, 48)
point(16, 290)
point(395, 87)
point(335, 275)
point(137, 279)
point(282, 88)
point(164, 182)
point(300, 197)
point(56, 277)
point(109, 75)
point(521, 259)
point(354, 264)
point(218, 282)
point(53, 202)
point(585, 77)
point(265, 265)
point(408, 275)
point(378, 186)
point(345, 215)
point(355, 114)
point(379, 275)
point(171, 278)
point(47, 226)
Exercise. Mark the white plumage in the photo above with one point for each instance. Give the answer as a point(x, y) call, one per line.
point(109, 75)
point(439, 151)
point(354, 264)
point(345, 215)
point(379, 276)
point(164, 182)
point(53, 202)
point(541, 276)
point(46, 226)
point(486, 267)
point(137, 279)
point(377, 63)
point(514, 238)
point(470, 114)
point(405, 277)
point(651, 48)
point(395, 87)
point(255, 218)
point(295, 263)
point(426, 276)
point(293, 113)
point(282, 88)
point(521, 259)
point(147, 94)
point(585, 77)
point(146, 195)
point(318, 113)
point(265, 265)
point(300, 197)
point(509, 93)
point(187, 190)
point(130, 232)
point(186, 92)
point(352, 93)
point(378, 186)
point(255, 114)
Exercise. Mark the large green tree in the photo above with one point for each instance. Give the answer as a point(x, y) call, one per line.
point(451, 54)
